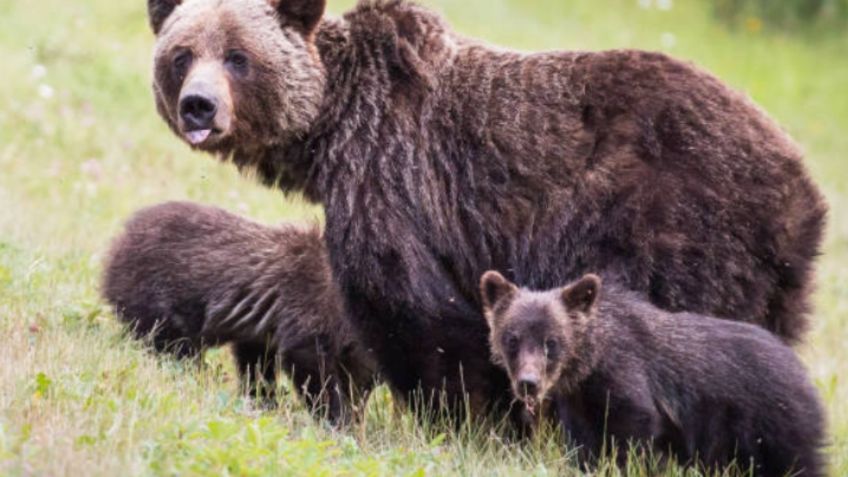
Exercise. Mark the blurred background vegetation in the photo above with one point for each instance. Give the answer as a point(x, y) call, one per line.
point(798, 15)
point(81, 148)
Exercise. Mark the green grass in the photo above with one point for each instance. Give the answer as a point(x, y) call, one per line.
point(81, 147)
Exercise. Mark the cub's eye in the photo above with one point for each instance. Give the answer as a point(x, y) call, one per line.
point(237, 61)
point(181, 61)
point(510, 342)
point(551, 346)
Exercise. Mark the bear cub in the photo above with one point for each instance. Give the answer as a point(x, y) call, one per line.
point(621, 371)
point(189, 277)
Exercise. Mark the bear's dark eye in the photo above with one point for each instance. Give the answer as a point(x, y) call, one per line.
point(510, 342)
point(181, 61)
point(237, 61)
point(551, 347)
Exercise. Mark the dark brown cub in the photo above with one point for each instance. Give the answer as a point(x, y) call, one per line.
point(190, 277)
point(621, 371)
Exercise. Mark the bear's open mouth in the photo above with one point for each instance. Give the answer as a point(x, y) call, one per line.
point(530, 403)
point(198, 136)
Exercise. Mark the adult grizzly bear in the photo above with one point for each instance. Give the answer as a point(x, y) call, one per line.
point(437, 158)
point(189, 277)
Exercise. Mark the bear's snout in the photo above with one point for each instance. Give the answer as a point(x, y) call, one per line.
point(198, 111)
point(205, 106)
point(528, 384)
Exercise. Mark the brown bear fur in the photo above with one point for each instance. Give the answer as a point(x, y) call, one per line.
point(189, 276)
point(710, 391)
point(437, 157)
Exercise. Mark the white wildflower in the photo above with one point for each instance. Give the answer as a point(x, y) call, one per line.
point(92, 168)
point(45, 91)
point(668, 40)
point(664, 5)
point(38, 71)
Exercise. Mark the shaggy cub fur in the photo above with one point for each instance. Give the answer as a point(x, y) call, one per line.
point(190, 277)
point(707, 390)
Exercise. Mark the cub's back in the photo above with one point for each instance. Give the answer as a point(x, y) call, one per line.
point(730, 387)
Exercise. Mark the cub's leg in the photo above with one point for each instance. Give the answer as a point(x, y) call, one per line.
point(313, 371)
point(257, 367)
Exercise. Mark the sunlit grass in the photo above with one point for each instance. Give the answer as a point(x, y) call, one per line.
point(81, 147)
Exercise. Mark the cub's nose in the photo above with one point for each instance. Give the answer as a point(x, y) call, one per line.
point(197, 111)
point(528, 385)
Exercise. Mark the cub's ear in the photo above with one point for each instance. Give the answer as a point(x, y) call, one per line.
point(494, 288)
point(158, 11)
point(582, 295)
point(305, 14)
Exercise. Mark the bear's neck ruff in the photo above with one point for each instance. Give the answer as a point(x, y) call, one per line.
point(374, 70)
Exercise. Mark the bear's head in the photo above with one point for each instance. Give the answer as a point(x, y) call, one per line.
point(237, 77)
point(538, 337)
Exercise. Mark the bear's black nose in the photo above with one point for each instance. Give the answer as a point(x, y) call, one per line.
point(198, 111)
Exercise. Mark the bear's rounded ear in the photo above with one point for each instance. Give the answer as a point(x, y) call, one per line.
point(304, 14)
point(494, 288)
point(158, 11)
point(582, 295)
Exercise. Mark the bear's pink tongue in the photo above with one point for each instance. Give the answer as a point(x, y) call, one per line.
point(530, 404)
point(196, 137)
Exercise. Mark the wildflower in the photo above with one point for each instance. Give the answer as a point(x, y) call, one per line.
point(45, 91)
point(38, 71)
point(664, 5)
point(92, 168)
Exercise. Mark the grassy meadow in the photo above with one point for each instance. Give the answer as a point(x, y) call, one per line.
point(81, 147)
